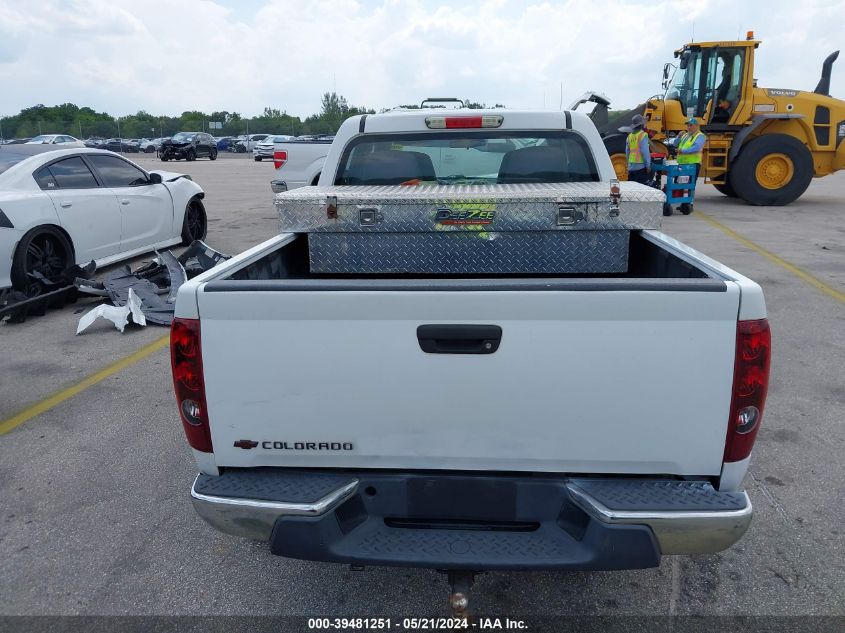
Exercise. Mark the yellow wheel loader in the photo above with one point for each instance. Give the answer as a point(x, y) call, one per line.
point(764, 145)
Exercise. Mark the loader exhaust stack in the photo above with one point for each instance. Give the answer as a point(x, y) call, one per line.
point(823, 87)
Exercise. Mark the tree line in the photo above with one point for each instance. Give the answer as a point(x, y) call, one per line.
point(84, 122)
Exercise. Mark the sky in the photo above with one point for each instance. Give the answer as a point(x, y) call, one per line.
point(168, 56)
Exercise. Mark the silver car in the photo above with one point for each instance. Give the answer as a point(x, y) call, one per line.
point(265, 148)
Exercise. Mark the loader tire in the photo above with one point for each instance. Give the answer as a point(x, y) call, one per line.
point(615, 146)
point(772, 170)
point(726, 189)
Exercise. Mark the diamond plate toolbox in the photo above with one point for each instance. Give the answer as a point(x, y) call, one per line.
point(453, 229)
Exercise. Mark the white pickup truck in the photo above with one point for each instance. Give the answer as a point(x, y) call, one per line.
point(298, 163)
point(473, 421)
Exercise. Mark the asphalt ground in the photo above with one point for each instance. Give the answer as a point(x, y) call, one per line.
point(94, 510)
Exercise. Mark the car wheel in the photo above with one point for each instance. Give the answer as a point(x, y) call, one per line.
point(190, 155)
point(150, 149)
point(213, 155)
point(685, 208)
point(195, 224)
point(44, 250)
point(164, 158)
point(258, 159)
point(667, 209)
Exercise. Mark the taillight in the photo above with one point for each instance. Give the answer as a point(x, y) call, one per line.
point(188, 382)
point(463, 122)
point(279, 158)
point(751, 381)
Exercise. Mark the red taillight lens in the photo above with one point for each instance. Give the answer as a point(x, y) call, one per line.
point(751, 382)
point(188, 382)
point(279, 158)
point(463, 122)
point(457, 122)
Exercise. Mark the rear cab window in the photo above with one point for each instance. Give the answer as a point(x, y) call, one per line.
point(463, 157)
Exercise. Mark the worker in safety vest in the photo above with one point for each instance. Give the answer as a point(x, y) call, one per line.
point(637, 152)
point(690, 145)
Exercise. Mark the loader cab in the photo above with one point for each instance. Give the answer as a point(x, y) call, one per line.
point(710, 83)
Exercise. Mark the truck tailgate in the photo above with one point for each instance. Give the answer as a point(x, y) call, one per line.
point(628, 378)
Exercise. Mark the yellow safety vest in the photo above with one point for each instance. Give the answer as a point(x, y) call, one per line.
point(687, 141)
point(635, 156)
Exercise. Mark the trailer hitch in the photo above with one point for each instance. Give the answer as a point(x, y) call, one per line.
point(460, 582)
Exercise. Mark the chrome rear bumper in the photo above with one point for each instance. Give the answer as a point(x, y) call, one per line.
point(676, 531)
point(684, 517)
point(254, 519)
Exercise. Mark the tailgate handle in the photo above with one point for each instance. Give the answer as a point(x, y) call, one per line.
point(459, 339)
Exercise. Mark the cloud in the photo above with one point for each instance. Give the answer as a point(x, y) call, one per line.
point(166, 57)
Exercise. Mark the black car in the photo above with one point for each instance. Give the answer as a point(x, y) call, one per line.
point(117, 145)
point(189, 145)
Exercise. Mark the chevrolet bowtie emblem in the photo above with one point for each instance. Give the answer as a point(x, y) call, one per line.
point(245, 444)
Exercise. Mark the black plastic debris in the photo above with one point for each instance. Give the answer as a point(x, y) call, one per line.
point(16, 306)
point(200, 257)
point(157, 282)
point(43, 294)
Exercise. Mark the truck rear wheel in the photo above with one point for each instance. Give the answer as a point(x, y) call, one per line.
point(615, 146)
point(773, 170)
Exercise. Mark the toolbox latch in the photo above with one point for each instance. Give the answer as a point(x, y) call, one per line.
point(566, 215)
point(331, 207)
point(368, 216)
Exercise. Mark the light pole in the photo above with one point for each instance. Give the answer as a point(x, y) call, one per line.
point(118, 128)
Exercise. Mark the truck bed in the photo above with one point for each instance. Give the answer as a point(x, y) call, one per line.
point(625, 373)
point(648, 261)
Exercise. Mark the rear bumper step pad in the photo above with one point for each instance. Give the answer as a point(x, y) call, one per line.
point(471, 521)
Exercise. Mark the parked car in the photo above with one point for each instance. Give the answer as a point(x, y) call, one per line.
point(298, 163)
point(189, 145)
point(94, 142)
point(149, 146)
point(265, 148)
point(57, 139)
point(248, 143)
point(225, 142)
point(119, 145)
point(66, 206)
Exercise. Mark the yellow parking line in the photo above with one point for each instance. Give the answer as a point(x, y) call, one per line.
point(60, 396)
point(795, 270)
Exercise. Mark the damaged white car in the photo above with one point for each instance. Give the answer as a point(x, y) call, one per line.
point(71, 206)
